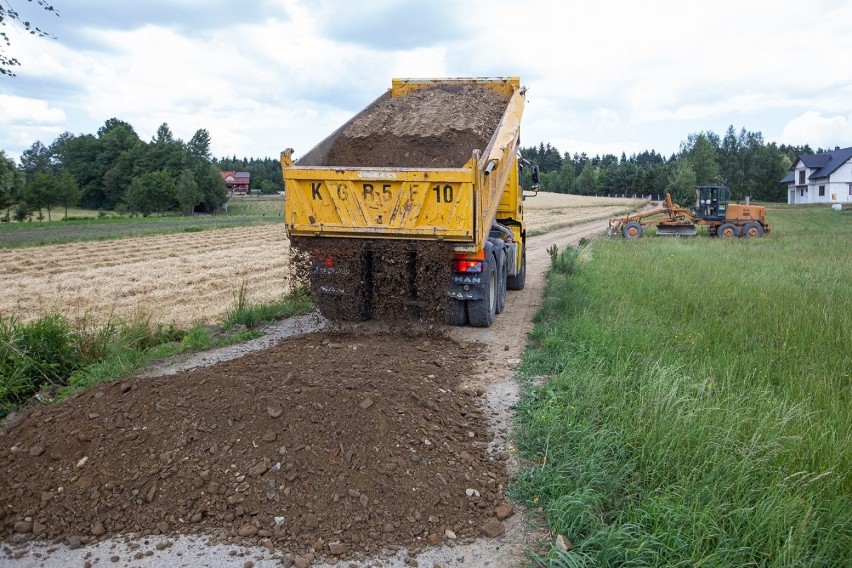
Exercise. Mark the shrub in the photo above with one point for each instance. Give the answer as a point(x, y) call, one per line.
point(42, 352)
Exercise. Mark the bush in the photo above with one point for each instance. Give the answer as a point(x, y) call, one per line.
point(42, 352)
point(21, 213)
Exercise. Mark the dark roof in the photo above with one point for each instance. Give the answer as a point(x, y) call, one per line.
point(242, 175)
point(789, 178)
point(826, 163)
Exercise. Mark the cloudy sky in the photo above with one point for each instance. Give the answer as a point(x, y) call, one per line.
point(604, 76)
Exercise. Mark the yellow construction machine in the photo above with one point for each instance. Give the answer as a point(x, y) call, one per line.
point(712, 210)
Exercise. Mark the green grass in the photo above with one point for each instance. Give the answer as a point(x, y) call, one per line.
point(263, 206)
point(16, 235)
point(695, 402)
point(248, 314)
point(50, 358)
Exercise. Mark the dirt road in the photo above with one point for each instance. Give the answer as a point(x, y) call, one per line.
point(349, 446)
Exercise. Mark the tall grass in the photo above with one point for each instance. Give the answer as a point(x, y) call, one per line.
point(696, 410)
point(249, 314)
point(33, 355)
point(50, 358)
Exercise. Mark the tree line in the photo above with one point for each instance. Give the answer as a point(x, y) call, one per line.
point(742, 160)
point(113, 170)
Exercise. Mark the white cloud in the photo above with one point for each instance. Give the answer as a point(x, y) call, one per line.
point(21, 111)
point(819, 131)
point(23, 118)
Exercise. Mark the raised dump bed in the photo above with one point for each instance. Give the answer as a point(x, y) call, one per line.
point(412, 164)
point(415, 201)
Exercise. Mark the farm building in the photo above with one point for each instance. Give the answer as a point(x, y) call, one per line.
point(238, 182)
point(820, 178)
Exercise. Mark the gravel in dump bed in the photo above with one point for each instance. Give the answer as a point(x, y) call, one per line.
point(430, 128)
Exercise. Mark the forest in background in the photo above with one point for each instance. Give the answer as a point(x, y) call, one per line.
point(742, 160)
point(115, 170)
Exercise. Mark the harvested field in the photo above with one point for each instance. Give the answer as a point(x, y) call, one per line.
point(180, 278)
point(189, 278)
point(550, 211)
point(548, 200)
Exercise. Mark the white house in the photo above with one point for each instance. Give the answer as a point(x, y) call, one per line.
point(821, 178)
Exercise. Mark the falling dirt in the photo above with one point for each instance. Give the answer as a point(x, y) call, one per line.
point(390, 281)
point(430, 128)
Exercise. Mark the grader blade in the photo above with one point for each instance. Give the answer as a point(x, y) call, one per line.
point(676, 230)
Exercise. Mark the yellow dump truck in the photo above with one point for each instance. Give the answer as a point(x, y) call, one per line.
point(422, 184)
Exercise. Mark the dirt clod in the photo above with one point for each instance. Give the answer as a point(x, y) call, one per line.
point(275, 410)
point(493, 529)
point(504, 511)
point(562, 543)
point(23, 527)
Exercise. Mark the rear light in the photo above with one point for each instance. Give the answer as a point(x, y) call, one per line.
point(468, 262)
point(322, 260)
point(467, 266)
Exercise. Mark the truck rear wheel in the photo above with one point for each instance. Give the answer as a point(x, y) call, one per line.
point(518, 281)
point(481, 312)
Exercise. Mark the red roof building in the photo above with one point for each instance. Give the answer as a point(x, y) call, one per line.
point(238, 182)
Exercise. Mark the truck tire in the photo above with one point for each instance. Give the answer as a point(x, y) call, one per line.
point(455, 312)
point(727, 231)
point(632, 230)
point(518, 281)
point(753, 229)
point(502, 283)
point(481, 312)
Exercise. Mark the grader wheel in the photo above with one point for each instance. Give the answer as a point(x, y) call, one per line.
point(752, 229)
point(727, 231)
point(632, 230)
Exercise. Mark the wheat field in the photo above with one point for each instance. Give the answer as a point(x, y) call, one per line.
point(183, 278)
point(192, 278)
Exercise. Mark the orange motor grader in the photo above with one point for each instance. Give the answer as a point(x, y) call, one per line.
point(712, 209)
